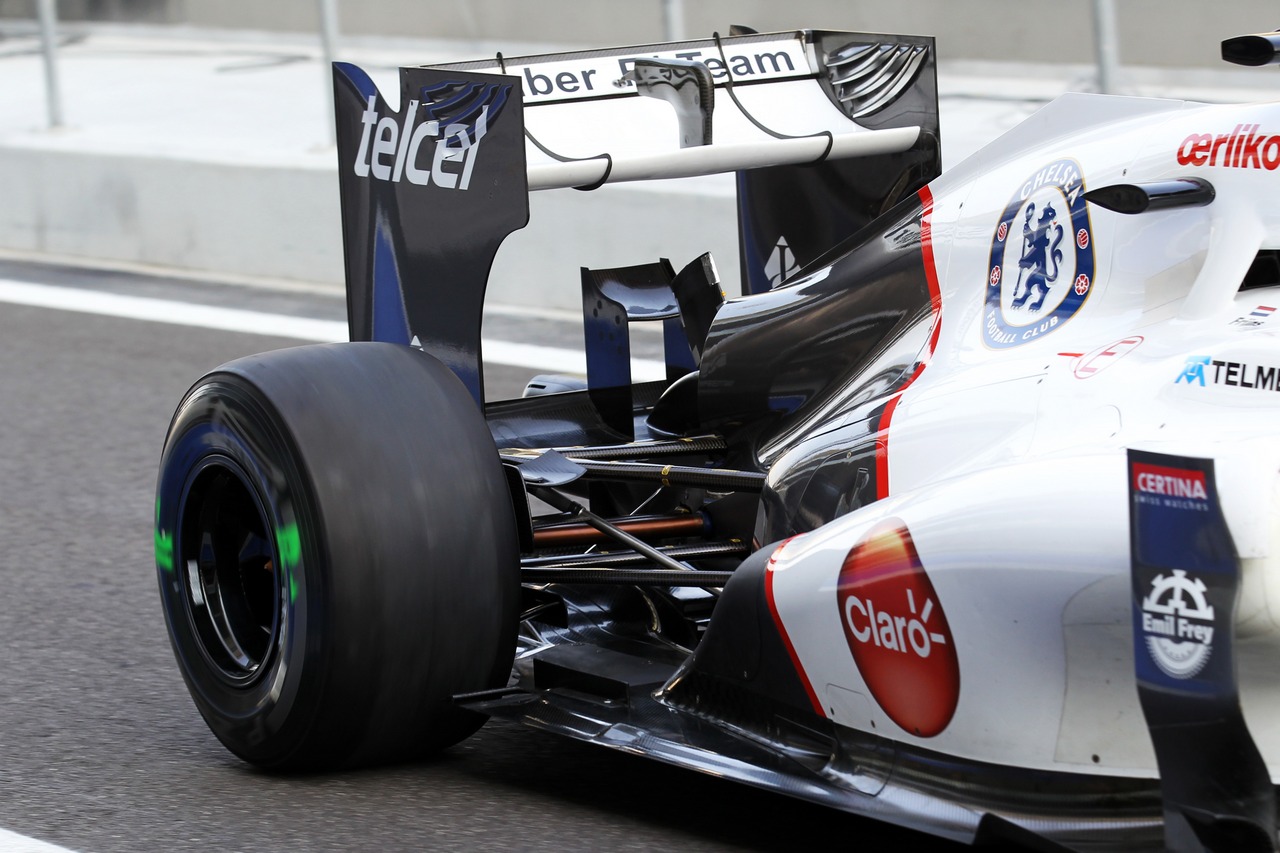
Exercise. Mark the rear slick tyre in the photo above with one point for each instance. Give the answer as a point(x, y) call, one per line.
point(337, 555)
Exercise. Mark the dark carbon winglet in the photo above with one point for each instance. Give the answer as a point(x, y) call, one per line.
point(1186, 576)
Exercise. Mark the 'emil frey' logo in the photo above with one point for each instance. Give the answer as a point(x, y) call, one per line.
point(1037, 282)
point(438, 139)
point(897, 631)
point(1177, 624)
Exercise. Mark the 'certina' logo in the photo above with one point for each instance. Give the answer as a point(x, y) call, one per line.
point(1177, 624)
point(1202, 369)
point(429, 146)
point(1039, 281)
point(1242, 148)
point(1175, 482)
point(1174, 488)
point(897, 631)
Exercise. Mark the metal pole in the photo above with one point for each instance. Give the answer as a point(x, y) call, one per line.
point(673, 20)
point(328, 49)
point(1105, 43)
point(48, 46)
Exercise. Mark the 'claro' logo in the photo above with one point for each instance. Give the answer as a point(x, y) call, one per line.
point(897, 632)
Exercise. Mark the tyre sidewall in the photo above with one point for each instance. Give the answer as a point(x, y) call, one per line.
point(222, 423)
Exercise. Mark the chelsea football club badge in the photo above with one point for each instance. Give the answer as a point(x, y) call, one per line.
point(1041, 267)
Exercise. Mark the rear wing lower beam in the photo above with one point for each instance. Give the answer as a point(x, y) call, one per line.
point(722, 157)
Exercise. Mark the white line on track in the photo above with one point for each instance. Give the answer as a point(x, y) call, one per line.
point(12, 842)
point(509, 353)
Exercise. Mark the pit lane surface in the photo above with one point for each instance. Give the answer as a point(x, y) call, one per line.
point(100, 746)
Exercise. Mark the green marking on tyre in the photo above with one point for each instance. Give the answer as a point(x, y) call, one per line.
point(289, 544)
point(164, 544)
point(164, 550)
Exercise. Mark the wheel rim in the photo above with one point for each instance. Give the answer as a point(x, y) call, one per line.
point(230, 583)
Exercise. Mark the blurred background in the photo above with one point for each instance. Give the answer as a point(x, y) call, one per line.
point(195, 136)
point(1163, 33)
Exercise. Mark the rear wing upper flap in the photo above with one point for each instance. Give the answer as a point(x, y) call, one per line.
point(824, 129)
point(768, 99)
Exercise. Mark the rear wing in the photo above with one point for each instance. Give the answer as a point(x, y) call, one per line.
point(825, 130)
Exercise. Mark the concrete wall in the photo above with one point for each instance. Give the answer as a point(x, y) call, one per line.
point(185, 214)
point(283, 223)
point(1151, 32)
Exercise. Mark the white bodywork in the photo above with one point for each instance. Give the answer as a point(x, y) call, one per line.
point(1007, 463)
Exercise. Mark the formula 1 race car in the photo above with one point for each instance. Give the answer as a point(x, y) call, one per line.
point(963, 517)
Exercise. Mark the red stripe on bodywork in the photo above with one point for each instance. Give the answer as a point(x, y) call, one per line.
point(935, 299)
point(930, 267)
point(882, 441)
point(782, 631)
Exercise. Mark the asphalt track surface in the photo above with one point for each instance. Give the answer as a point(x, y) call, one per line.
point(100, 747)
